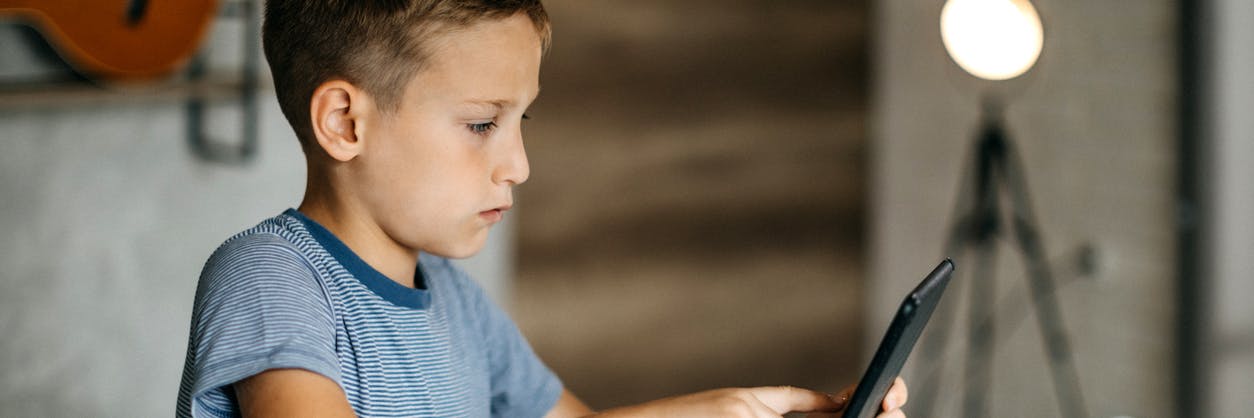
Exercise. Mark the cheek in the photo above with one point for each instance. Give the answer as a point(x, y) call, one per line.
point(435, 182)
point(441, 210)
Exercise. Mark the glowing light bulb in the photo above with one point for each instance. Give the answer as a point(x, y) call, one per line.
point(992, 39)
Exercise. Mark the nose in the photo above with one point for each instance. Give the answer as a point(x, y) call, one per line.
point(513, 168)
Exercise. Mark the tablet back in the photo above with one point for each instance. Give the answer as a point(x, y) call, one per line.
point(891, 355)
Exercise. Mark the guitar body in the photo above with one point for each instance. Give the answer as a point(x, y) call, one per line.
point(119, 39)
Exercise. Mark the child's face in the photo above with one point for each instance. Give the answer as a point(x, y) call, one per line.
point(438, 172)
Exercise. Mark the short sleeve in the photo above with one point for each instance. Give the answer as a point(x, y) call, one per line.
point(259, 306)
point(522, 385)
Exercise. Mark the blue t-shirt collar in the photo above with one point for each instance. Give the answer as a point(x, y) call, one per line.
point(388, 289)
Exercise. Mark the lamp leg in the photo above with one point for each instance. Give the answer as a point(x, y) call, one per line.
point(1041, 282)
point(980, 331)
point(969, 221)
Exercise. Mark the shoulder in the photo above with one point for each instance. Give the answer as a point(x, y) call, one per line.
point(269, 257)
point(276, 237)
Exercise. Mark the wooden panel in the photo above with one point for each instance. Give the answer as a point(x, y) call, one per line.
point(694, 215)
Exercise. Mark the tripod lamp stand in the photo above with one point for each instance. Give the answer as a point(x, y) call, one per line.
point(996, 40)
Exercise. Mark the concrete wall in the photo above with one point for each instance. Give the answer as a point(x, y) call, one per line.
point(1096, 124)
point(1227, 109)
point(107, 219)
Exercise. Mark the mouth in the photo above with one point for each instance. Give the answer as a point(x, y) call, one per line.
point(495, 214)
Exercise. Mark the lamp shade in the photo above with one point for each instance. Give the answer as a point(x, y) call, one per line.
point(992, 39)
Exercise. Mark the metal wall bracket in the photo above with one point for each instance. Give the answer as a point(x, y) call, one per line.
point(53, 84)
point(244, 148)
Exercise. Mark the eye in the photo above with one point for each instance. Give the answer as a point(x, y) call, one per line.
point(525, 117)
point(482, 128)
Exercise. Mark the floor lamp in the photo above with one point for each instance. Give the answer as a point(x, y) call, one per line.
point(996, 40)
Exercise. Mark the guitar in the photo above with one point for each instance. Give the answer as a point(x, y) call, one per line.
point(119, 39)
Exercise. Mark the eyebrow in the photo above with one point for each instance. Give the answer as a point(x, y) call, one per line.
point(498, 104)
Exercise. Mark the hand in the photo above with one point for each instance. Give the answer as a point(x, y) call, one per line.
point(891, 408)
point(762, 402)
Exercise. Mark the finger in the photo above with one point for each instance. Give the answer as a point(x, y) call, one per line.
point(905, 391)
point(896, 396)
point(785, 399)
point(842, 398)
point(896, 413)
point(760, 410)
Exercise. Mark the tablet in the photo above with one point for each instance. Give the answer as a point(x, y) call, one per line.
point(891, 355)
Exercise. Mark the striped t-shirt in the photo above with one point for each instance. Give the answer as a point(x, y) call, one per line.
point(288, 294)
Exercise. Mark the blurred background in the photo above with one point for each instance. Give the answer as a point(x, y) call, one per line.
point(723, 193)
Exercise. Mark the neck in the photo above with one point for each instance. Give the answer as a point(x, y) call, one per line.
point(355, 226)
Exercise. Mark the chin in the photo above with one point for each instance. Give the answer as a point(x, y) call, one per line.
point(464, 249)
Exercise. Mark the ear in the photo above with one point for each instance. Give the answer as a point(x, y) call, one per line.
point(336, 111)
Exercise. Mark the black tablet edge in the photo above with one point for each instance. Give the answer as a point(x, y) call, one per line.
point(870, 382)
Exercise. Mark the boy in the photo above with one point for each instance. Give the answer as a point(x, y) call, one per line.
point(408, 113)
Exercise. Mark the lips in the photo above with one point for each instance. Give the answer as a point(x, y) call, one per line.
point(494, 215)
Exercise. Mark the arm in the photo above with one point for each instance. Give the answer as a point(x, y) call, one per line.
point(291, 393)
point(569, 406)
point(761, 402)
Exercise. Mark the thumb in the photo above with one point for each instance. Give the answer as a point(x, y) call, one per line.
point(785, 399)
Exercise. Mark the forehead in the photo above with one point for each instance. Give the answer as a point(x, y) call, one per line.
point(496, 59)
